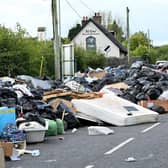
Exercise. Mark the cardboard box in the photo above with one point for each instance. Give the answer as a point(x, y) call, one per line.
point(7, 147)
point(2, 159)
point(148, 104)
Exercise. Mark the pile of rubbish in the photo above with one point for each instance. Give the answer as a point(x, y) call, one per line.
point(139, 82)
point(109, 95)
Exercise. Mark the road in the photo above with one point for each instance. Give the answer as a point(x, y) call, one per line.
point(145, 143)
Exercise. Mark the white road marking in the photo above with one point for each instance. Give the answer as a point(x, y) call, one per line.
point(119, 146)
point(149, 128)
point(90, 166)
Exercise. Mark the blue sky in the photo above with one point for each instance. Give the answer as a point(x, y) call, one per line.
point(144, 15)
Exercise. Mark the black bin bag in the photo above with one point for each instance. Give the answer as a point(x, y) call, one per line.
point(69, 117)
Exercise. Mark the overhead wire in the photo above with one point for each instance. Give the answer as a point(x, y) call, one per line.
point(87, 6)
point(70, 5)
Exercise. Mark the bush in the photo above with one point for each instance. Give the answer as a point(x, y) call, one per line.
point(114, 62)
point(85, 59)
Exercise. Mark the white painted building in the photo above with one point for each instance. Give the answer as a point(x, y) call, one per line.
point(94, 36)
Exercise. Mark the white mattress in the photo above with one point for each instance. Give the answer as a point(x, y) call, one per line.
point(115, 110)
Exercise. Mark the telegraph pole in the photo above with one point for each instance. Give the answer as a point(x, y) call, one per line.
point(59, 18)
point(56, 40)
point(59, 34)
point(128, 35)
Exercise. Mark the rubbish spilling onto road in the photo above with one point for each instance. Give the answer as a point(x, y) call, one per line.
point(99, 130)
point(130, 159)
point(32, 109)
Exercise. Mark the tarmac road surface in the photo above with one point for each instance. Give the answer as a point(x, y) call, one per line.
point(139, 146)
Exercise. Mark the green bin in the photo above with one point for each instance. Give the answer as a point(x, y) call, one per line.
point(52, 128)
point(60, 126)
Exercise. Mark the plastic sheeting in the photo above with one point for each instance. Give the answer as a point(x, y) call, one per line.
point(21, 90)
point(36, 83)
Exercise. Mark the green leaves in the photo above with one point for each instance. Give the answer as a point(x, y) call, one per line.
point(73, 31)
point(137, 39)
point(85, 59)
point(140, 46)
point(20, 54)
point(114, 26)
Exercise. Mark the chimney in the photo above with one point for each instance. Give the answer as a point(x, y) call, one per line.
point(97, 18)
point(84, 20)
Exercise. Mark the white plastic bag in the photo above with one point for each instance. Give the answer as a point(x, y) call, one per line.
point(99, 130)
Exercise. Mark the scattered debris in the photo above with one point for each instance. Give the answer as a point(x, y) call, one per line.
point(61, 138)
point(74, 130)
point(90, 166)
point(99, 130)
point(15, 155)
point(130, 159)
point(36, 152)
point(109, 95)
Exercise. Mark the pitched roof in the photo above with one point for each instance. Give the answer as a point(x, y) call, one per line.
point(106, 33)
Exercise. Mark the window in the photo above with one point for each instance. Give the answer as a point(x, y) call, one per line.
point(91, 43)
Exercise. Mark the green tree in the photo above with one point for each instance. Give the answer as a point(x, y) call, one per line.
point(118, 30)
point(10, 55)
point(73, 31)
point(137, 39)
point(140, 50)
point(161, 52)
point(65, 40)
point(140, 46)
point(20, 54)
point(113, 25)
